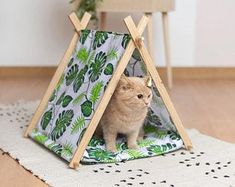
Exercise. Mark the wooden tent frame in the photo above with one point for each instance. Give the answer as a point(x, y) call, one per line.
point(136, 42)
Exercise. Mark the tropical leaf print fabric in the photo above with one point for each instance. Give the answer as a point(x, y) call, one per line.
point(77, 96)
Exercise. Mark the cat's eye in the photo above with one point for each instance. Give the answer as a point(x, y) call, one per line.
point(140, 96)
point(149, 95)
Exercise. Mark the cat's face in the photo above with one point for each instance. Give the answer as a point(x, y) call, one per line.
point(133, 93)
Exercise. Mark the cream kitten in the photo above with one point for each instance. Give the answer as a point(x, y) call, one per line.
point(126, 112)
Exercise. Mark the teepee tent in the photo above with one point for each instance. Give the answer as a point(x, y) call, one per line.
point(82, 87)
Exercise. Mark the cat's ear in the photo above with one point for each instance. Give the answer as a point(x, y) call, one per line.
point(124, 83)
point(148, 81)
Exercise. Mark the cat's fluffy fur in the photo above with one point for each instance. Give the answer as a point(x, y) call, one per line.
point(126, 112)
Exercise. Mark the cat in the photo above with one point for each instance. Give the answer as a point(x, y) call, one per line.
point(126, 112)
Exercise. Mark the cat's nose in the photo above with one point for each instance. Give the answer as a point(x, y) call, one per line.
point(147, 104)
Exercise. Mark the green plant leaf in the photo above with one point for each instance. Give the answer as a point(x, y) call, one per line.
point(160, 134)
point(100, 154)
point(83, 55)
point(152, 118)
point(56, 148)
point(121, 147)
point(67, 150)
point(60, 99)
point(134, 153)
point(46, 118)
point(174, 135)
point(86, 108)
point(157, 149)
point(66, 100)
point(108, 69)
point(84, 35)
point(79, 79)
point(91, 57)
point(78, 125)
point(125, 40)
point(96, 68)
point(52, 97)
point(79, 98)
point(146, 142)
point(136, 55)
point(95, 92)
point(70, 62)
point(96, 142)
point(112, 54)
point(100, 38)
point(61, 123)
point(71, 75)
point(81, 136)
point(40, 138)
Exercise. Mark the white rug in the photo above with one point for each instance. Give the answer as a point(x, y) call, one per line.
point(211, 163)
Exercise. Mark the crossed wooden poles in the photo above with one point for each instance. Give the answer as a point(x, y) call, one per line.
point(136, 42)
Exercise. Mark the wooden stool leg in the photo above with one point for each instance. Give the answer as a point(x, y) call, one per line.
point(103, 16)
point(167, 48)
point(150, 33)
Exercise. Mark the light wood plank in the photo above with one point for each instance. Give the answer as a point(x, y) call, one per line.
point(167, 48)
point(150, 33)
point(131, 5)
point(158, 82)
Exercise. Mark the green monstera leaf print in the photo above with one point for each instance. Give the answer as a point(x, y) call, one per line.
point(84, 35)
point(174, 135)
point(86, 108)
point(136, 55)
point(61, 123)
point(83, 55)
point(95, 91)
point(100, 38)
point(134, 153)
point(46, 118)
point(125, 40)
point(152, 118)
point(101, 155)
point(53, 95)
point(56, 148)
point(79, 79)
point(66, 100)
point(71, 75)
point(95, 141)
point(70, 62)
point(60, 99)
point(108, 69)
point(96, 68)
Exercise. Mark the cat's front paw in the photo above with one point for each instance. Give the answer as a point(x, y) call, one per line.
point(133, 146)
point(111, 149)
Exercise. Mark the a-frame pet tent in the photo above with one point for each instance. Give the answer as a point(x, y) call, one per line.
point(80, 91)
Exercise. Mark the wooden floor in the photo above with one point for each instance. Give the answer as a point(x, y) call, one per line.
point(204, 104)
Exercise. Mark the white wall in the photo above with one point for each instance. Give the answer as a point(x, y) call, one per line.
point(36, 33)
point(33, 33)
point(215, 33)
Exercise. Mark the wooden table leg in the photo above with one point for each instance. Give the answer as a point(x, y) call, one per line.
point(103, 16)
point(167, 48)
point(150, 34)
